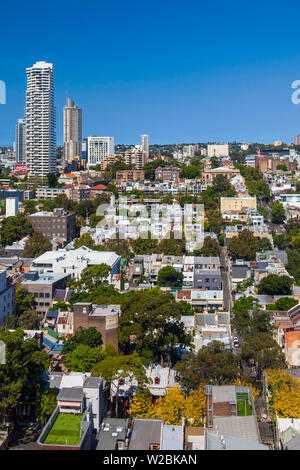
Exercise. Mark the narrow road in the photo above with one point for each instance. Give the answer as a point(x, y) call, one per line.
point(225, 281)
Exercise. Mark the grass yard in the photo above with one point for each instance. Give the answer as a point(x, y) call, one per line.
point(244, 409)
point(66, 430)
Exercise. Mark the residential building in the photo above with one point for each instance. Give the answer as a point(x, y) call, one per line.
point(231, 421)
point(40, 120)
point(43, 287)
point(54, 224)
point(21, 141)
point(136, 157)
point(217, 150)
point(130, 175)
point(72, 131)
point(167, 173)
point(102, 317)
point(145, 146)
point(241, 203)
point(11, 206)
point(72, 262)
point(81, 406)
point(7, 295)
point(113, 434)
point(99, 148)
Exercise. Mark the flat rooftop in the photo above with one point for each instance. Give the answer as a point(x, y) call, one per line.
point(65, 430)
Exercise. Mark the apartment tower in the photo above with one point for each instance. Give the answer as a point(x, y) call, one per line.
point(40, 120)
point(21, 141)
point(72, 131)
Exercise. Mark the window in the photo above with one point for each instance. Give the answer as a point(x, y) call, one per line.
point(121, 382)
point(157, 380)
point(154, 447)
point(41, 295)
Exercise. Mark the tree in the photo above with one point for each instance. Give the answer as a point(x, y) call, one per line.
point(278, 212)
point(92, 276)
point(283, 304)
point(46, 404)
point(171, 407)
point(88, 337)
point(287, 403)
point(29, 320)
point(244, 246)
point(83, 358)
point(275, 285)
point(36, 245)
point(52, 180)
point(210, 248)
point(21, 375)
point(211, 365)
point(14, 228)
point(142, 405)
point(264, 244)
point(195, 407)
point(264, 350)
point(120, 367)
point(168, 276)
point(280, 241)
point(143, 246)
point(153, 319)
point(171, 246)
point(85, 240)
point(24, 301)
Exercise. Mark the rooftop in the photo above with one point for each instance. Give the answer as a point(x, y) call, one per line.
point(65, 430)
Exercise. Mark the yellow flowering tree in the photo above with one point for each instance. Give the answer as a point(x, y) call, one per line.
point(278, 380)
point(195, 407)
point(287, 403)
point(171, 407)
point(142, 406)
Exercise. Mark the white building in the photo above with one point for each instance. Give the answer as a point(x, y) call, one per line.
point(99, 148)
point(218, 150)
point(7, 296)
point(40, 120)
point(136, 157)
point(73, 262)
point(145, 145)
point(11, 206)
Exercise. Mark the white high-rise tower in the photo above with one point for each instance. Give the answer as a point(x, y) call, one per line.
point(40, 120)
point(145, 145)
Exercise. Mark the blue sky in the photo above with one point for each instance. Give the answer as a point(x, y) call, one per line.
point(180, 71)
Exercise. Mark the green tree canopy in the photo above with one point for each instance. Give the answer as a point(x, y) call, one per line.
point(275, 285)
point(86, 336)
point(168, 276)
point(153, 319)
point(36, 245)
point(211, 365)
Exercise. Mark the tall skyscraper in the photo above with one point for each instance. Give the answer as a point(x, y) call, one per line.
point(21, 141)
point(40, 120)
point(145, 145)
point(99, 148)
point(72, 131)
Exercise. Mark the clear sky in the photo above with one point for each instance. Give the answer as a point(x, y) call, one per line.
point(180, 70)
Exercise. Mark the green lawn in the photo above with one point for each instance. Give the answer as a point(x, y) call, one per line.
point(66, 430)
point(244, 409)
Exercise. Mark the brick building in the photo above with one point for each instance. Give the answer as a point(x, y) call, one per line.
point(130, 175)
point(54, 224)
point(167, 173)
point(103, 317)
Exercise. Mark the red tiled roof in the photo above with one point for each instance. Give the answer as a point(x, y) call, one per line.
point(99, 187)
